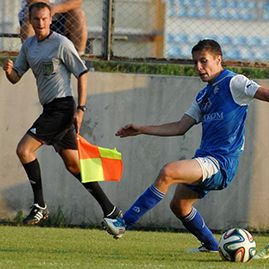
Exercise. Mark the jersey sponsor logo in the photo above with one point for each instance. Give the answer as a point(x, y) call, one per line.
point(213, 116)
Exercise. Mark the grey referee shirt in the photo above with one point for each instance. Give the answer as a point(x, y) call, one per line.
point(52, 61)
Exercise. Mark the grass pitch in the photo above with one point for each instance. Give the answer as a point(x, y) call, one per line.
point(40, 247)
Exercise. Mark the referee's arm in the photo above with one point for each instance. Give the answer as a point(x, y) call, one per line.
point(82, 89)
point(82, 98)
point(11, 74)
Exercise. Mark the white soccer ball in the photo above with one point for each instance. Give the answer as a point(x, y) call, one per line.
point(237, 245)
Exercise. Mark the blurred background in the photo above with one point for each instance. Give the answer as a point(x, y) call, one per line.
point(145, 29)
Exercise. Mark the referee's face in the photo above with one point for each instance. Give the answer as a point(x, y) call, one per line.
point(41, 21)
point(207, 64)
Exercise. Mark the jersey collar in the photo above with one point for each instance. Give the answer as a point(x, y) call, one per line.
point(45, 37)
point(224, 74)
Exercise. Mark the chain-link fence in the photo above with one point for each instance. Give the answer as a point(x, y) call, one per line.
point(168, 29)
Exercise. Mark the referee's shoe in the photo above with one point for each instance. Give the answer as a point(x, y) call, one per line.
point(36, 215)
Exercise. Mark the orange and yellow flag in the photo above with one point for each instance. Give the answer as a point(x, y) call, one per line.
point(98, 163)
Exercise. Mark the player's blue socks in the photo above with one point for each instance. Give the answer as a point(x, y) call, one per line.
point(150, 198)
point(195, 223)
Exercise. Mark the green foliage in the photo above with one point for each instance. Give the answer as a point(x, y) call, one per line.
point(40, 247)
point(57, 219)
point(173, 69)
point(257, 73)
point(18, 218)
point(144, 68)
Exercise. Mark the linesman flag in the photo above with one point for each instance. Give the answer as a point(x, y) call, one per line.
point(97, 163)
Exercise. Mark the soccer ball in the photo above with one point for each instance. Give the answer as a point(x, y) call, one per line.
point(237, 245)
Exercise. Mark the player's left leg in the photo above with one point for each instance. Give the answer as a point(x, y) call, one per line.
point(182, 206)
point(176, 172)
point(71, 161)
point(183, 171)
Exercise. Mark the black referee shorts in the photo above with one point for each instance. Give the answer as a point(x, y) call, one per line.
point(55, 125)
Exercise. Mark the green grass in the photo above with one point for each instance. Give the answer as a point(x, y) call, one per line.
point(174, 69)
point(40, 247)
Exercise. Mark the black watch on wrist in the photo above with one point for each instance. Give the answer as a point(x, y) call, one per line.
point(83, 108)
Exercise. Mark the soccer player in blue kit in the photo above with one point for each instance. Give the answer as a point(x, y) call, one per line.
point(53, 58)
point(221, 107)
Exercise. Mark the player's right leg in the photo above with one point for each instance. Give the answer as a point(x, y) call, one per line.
point(182, 206)
point(186, 195)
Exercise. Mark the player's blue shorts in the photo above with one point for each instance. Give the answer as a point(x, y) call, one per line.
point(214, 176)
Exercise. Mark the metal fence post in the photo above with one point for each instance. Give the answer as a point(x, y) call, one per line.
point(107, 28)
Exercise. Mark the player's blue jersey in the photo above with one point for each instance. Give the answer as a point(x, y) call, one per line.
point(222, 112)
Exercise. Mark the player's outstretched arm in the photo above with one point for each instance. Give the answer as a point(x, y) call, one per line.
point(129, 130)
point(168, 129)
point(262, 94)
point(11, 74)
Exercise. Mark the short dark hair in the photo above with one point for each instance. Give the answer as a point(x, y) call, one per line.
point(38, 5)
point(208, 44)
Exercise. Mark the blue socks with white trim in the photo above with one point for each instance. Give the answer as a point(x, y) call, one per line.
point(195, 223)
point(146, 201)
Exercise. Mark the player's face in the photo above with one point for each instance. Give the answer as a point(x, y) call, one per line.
point(41, 21)
point(207, 64)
